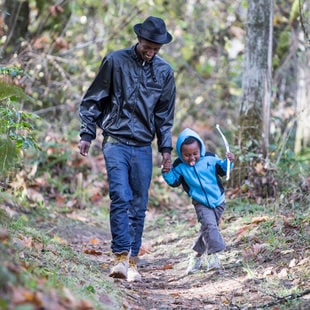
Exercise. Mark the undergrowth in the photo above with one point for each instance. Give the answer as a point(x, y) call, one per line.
point(39, 266)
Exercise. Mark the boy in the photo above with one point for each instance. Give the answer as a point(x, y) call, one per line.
point(198, 171)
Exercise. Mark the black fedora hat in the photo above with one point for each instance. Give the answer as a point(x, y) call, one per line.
point(153, 29)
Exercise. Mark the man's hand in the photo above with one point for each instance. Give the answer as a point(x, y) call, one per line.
point(166, 162)
point(84, 147)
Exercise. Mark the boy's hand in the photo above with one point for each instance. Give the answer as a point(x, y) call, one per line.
point(230, 156)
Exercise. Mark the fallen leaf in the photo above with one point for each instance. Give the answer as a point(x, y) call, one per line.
point(283, 273)
point(145, 249)
point(21, 295)
point(165, 267)
point(84, 305)
point(303, 261)
point(268, 271)
point(287, 251)
point(292, 263)
point(258, 248)
point(260, 219)
point(94, 241)
point(72, 203)
point(59, 240)
point(95, 197)
point(24, 241)
point(259, 169)
point(243, 230)
point(92, 252)
point(75, 216)
point(34, 195)
point(69, 299)
point(4, 234)
point(60, 200)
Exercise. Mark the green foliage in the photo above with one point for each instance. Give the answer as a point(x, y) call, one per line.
point(284, 43)
point(16, 126)
point(293, 180)
point(50, 264)
point(245, 207)
point(13, 72)
point(4, 217)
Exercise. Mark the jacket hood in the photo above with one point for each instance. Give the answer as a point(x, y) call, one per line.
point(187, 132)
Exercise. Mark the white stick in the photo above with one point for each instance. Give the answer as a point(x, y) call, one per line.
point(227, 150)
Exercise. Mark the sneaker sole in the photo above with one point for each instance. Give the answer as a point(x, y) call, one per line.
point(193, 271)
point(213, 268)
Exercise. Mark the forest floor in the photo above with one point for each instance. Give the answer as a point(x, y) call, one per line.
point(55, 253)
point(252, 277)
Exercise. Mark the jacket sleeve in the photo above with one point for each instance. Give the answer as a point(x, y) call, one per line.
point(221, 167)
point(96, 101)
point(164, 114)
point(172, 178)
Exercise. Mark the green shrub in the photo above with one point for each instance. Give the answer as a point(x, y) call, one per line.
point(16, 126)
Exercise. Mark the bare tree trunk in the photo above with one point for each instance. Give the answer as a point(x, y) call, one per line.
point(256, 76)
point(302, 140)
point(254, 116)
point(267, 89)
point(17, 21)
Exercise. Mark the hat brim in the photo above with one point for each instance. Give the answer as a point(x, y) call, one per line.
point(159, 39)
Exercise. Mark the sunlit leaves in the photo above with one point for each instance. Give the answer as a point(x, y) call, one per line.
point(16, 126)
point(8, 154)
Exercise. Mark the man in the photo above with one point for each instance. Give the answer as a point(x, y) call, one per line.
point(132, 99)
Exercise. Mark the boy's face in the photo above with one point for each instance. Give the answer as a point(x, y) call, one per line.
point(191, 153)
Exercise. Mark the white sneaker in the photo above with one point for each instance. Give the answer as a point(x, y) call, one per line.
point(194, 264)
point(212, 262)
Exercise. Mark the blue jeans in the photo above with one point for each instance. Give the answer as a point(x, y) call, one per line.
point(129, 171)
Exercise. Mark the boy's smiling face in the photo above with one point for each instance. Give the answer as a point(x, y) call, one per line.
point(191, 153)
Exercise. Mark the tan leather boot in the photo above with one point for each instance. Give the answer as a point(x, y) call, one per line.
point(120, 268)
point(133, 273)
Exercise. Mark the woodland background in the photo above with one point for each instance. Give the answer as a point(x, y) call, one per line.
point(232, 67)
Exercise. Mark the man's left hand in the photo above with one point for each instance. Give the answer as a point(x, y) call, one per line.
point(166, 162)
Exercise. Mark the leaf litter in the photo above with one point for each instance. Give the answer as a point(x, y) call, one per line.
point(256, 274)
point(252, 276)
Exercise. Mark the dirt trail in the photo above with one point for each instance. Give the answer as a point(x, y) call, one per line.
point(165, 256)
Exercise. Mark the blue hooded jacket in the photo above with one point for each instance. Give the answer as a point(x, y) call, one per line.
point(202, 181)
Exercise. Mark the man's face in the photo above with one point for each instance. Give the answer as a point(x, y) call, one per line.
point(191, 153)
point(147, 50)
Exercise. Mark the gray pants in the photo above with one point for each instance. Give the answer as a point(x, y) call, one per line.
point(209, 239)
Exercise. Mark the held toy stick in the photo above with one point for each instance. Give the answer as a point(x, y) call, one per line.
point(227, 150)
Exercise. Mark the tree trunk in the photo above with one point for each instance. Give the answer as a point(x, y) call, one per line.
point(302, 140)
point(17, 21)
point(256, 86)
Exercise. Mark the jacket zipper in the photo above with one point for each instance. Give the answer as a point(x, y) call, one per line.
point(206, 196)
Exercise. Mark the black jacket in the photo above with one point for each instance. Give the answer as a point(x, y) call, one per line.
point(130, 100)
